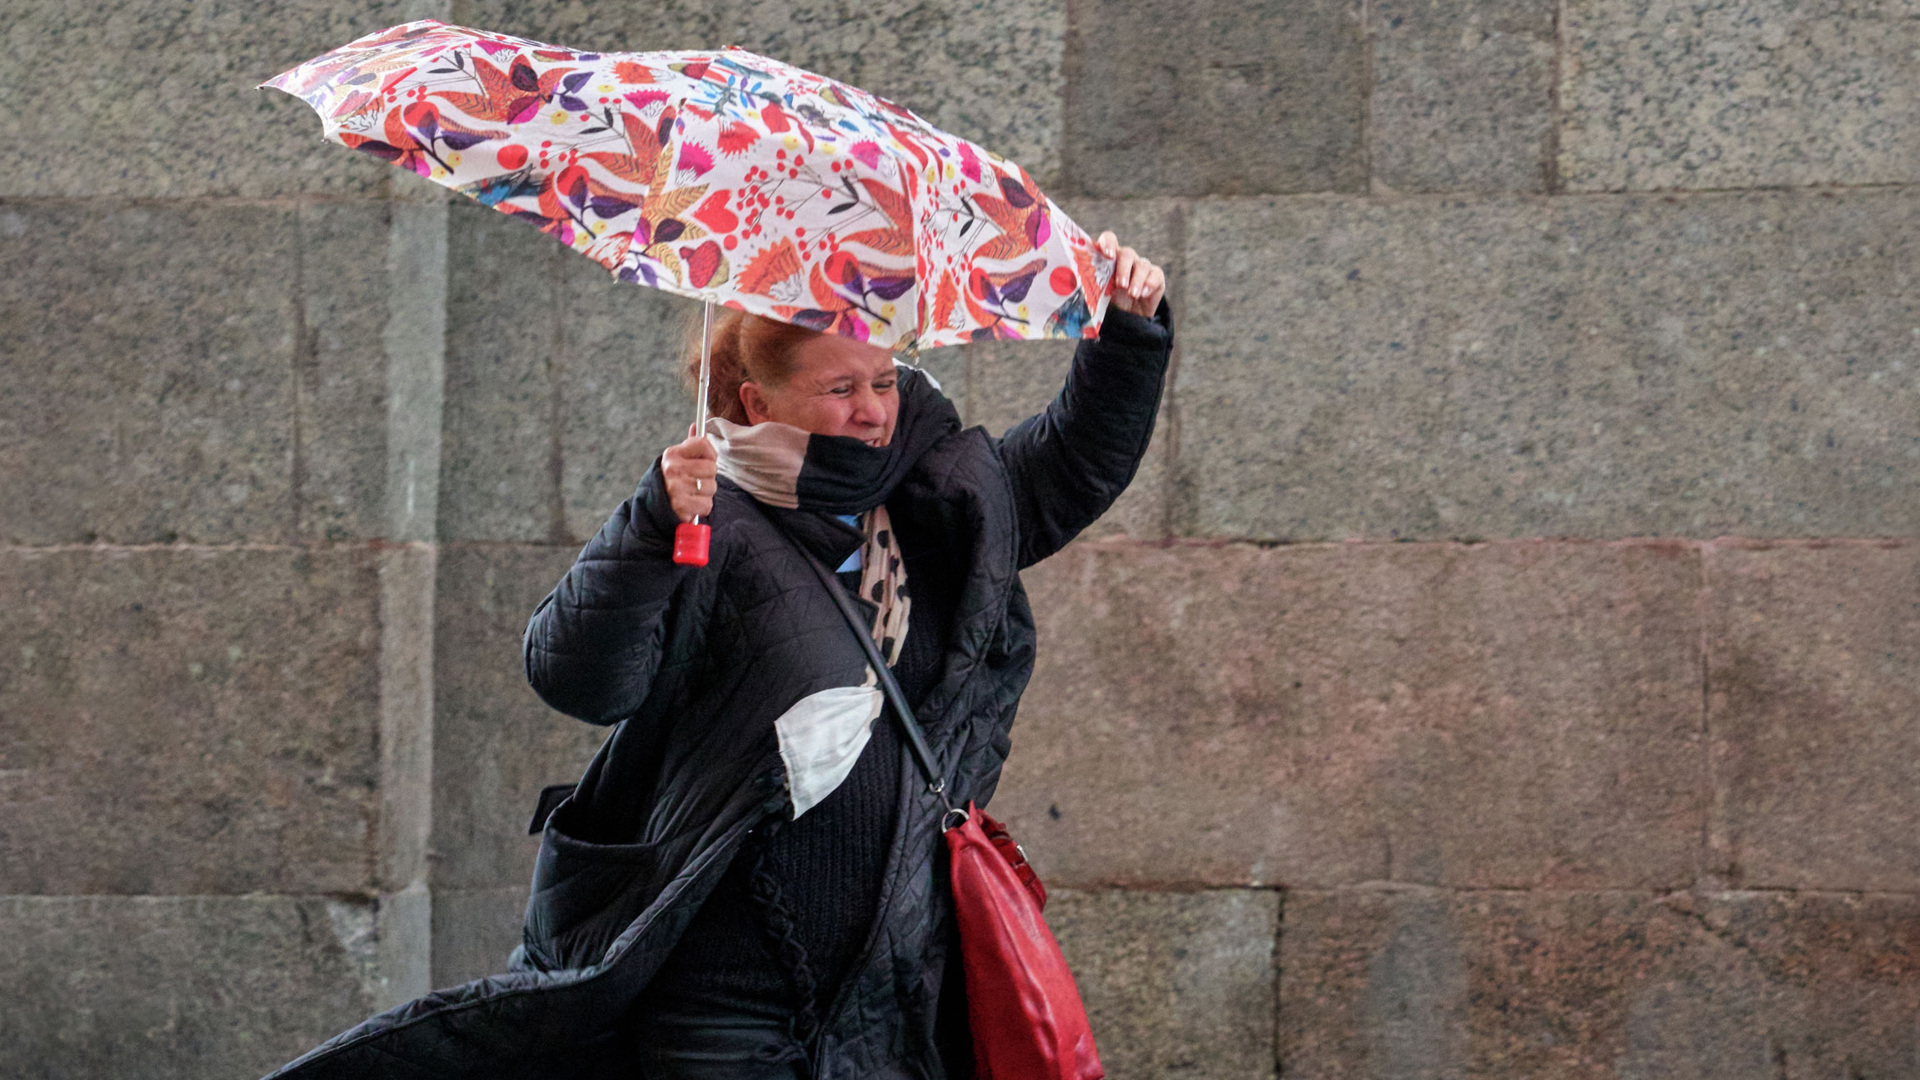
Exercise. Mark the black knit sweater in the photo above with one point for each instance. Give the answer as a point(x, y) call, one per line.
point(828, 863)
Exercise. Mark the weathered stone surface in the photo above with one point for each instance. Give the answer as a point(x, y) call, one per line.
point(505, 330)
point(403, 946)
point(1373, 983)
point(189, 987)
point(1719, 94)
point(189, 721)
point(1814, 714)
point(339, 365)
point(474, 931)
point(1214, 98)
point(405, 835)
point(158, 99)
point(1513, 715)
point(1175, 984)
point(149, 391)
point(212, 374)
point(1597, 985)
point(1009, 381)
point(1708, 365)
point(1462, 95)
point(414, 342)
point(989, 70)
point(495, 743)
point(369, 361)
point(622, 400)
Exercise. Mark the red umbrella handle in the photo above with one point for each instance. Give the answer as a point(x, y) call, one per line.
point(690, 538)
point(690, 543)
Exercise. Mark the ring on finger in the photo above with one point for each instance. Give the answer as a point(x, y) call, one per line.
point(696, 484)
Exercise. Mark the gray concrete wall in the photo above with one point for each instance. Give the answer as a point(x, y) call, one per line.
point(1504, 665)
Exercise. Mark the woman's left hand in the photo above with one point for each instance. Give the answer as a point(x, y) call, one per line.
point(1137, 284)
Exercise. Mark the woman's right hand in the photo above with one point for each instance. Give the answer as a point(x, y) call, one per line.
point(688, 469)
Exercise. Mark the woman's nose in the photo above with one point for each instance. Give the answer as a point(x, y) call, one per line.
point(868, 410)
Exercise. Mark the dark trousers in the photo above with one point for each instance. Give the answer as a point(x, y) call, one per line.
point(690, 1040)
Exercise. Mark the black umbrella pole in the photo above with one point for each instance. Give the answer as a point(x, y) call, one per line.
point(691, 538)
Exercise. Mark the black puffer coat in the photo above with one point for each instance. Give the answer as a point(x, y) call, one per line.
point(692, 666)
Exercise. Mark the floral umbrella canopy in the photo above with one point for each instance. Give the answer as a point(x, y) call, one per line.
point(724, 176)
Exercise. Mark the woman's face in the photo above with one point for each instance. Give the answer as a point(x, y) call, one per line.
point(839, 387)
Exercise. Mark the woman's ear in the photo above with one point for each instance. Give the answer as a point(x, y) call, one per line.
point(754, 402)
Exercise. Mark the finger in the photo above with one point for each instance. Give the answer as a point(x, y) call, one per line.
point(1157, 288)
point(1107, 243)
point(1142, 275)
point(700, 447)
point(1123, 270)
point(688, 507)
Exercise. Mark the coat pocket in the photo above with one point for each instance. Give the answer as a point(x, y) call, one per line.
point(584, 895)
point(551, 797)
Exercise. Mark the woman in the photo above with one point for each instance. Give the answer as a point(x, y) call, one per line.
point(822, 948)
point(748, 881)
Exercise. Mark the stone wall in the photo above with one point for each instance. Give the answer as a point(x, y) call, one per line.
point(1507, 663)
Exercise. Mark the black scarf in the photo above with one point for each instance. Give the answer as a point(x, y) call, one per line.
point(786, 467)
point(783, 466)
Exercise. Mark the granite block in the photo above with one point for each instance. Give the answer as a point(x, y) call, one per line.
point(340, 370)
point(1012, 380)
point(149, 392)
point(1725, 94)
point(505, 324)
point(414, 341)
point(622, 400)
point(1220, 97)
point(474, 931)
point(1706, 365)
point(1175, 984)
point(186, 987)
point(216, 373)
point(1598, 985)
point(189, 721)
point(987, 70)
point(495, 743)
point(1814, 714)
point(368, 360)
point(1462, 95)
point(1518, 715)
point(158, 99)
point(403, 838)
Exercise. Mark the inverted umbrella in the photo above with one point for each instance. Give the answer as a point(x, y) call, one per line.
point(725, 176)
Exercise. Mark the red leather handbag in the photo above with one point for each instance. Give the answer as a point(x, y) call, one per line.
point(1025, 1011)
point(1022, 1003)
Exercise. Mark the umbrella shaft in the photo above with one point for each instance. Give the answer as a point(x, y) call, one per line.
point(706, 372)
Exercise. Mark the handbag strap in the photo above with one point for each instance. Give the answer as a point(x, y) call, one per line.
point(916, 738)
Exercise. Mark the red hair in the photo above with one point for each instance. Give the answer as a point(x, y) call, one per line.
point(745, 347)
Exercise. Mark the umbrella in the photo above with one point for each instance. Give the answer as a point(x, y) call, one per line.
point(725, 176)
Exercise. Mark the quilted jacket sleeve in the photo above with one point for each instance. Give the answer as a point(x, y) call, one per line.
point(594, 643)
point(1069, 463)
